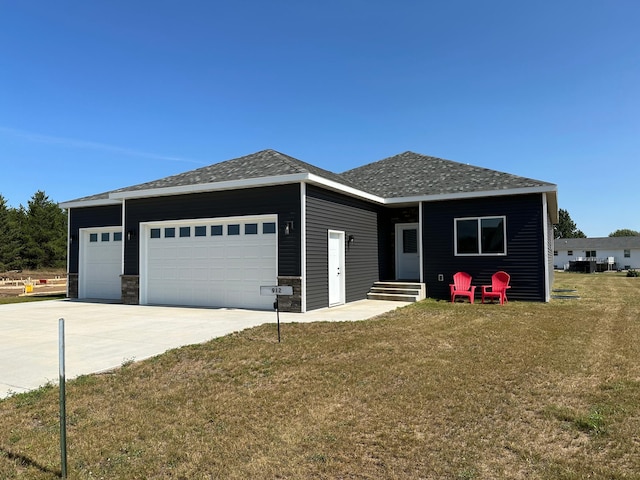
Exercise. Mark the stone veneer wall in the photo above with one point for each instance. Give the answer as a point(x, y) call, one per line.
point(72, 285)
point(291, 303)
point(130, 285)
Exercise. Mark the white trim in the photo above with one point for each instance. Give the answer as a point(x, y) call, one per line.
point(545, 241)
point(88, 203)
point(343, 273)
point(354, 192)
point(479, 221)
point(420, 241)
point(69, 249)
point(208, 187)
point(303, 247)
point(463, 195)
point(124, 237)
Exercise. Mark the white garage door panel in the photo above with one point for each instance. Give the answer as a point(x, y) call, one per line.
point(213, 270)
point(100, 264)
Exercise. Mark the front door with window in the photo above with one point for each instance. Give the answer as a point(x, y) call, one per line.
point(336, 268)
point(407, 251)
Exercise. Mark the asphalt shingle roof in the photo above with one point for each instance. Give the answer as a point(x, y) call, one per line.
point(597, 243)
point(412, 174)
point(265, 163)
point(404, 175)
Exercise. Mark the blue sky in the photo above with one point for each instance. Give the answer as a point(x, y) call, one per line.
point(104, 94)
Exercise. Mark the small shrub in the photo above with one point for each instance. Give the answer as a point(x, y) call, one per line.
point(633, 273)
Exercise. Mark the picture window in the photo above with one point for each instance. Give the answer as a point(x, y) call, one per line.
point(480, 236)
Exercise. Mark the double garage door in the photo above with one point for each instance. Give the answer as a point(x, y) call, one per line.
point(208, 262)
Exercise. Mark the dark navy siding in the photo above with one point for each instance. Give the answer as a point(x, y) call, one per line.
point(283, 200)
point(524, 261)
point(87, 217)
point(326, 210)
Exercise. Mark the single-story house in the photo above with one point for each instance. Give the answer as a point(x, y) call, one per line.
point(214, 235)
point(598, 253)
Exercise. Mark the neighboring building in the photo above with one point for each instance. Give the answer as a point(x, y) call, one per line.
point(213, 236)
point(597, 254)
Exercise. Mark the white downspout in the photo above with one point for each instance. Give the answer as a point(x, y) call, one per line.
point(303, 246)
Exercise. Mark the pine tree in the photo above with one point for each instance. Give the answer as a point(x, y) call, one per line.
point(45, 233)
point(10, 237)
point(566, 228)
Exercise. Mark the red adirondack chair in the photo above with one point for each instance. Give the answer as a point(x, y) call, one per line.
point(461, 287)
point(498, 287)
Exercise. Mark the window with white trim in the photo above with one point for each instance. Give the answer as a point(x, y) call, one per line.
point(627, 253)
point(480, 236)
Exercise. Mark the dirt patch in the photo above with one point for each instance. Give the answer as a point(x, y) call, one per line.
point(16, 283)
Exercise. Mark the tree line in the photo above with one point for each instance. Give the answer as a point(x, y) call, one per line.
point(32, 237)
point(567, 228)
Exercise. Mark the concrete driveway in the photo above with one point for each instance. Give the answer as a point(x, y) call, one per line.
point(100, 336)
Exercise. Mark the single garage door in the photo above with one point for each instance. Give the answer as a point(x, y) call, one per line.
point(209, 262)
point(100, 263)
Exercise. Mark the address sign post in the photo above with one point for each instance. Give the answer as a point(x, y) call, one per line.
point(276, 290)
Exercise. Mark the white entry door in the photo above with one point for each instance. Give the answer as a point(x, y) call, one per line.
point(336, 268)
point(407, 251)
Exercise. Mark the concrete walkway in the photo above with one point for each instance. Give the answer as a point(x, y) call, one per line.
point(101, 336)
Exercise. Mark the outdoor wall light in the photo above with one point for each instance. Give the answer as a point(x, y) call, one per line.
point(288, 228)
point(131, 234)
point(351, 240)
point(74, 238)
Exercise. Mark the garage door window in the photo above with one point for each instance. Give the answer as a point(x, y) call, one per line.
point(185, 232)
point(269, 227)
point(169, 232)
point(105, 237)
point(200, 231)
point(117, 236)
point(93, 237)
point(251, 229)
point(216, 230)
point(155, 233)
point(233, 229)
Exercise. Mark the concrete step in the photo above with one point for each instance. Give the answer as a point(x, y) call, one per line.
point(400, 291)
point(395, 297)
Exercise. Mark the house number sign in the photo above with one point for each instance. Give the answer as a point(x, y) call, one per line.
point(277, 290)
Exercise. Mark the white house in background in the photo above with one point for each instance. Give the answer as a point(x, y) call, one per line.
point(609, 253)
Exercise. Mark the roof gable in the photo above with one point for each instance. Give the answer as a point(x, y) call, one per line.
point(412, 174)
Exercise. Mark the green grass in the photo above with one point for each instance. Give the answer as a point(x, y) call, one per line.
point(433, 390)
point(37, 298)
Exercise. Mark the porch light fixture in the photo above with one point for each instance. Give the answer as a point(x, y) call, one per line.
point(350, 240)
point(288, 228)
point(131, 234)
